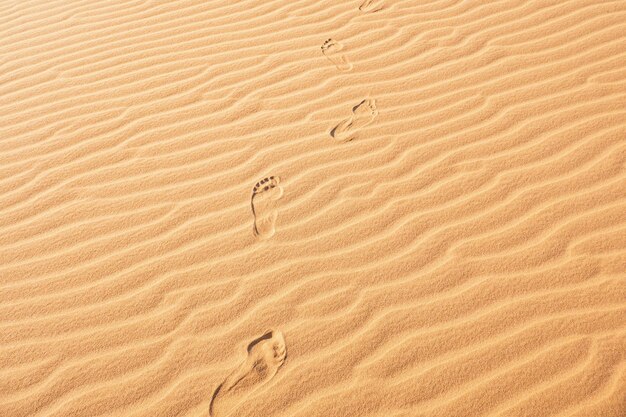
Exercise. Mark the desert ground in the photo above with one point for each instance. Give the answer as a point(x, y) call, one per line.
point(313, 208)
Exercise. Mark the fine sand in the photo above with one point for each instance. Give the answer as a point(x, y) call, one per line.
point(313, 208)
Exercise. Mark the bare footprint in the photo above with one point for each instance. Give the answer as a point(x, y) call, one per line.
point(363, 114)
point(266, 354)
point(371, 6)
point(332, 50)
point(264, 196)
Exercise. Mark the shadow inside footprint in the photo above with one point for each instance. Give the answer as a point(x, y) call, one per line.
point(371, 6)
point(266, 354)
point(363, 114)
point(332, 50)
point(265, 194)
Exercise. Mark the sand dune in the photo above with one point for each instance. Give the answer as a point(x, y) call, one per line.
point(313, 208)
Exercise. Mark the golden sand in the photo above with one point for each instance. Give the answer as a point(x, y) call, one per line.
point(313, 208)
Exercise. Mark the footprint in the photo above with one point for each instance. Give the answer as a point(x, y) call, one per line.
point(363, 114)
point(264, 196)
point(371, 6)
point(332, 50)
point(266, 354)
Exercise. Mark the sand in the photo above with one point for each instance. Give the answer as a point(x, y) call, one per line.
point(392, 208)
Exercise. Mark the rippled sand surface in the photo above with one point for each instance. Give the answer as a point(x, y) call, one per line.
point(312, 208)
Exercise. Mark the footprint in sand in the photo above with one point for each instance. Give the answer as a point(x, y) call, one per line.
point(266, 354)
point(332, 50)
point(363, 114)
point(371, 6)
point(265, 194)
